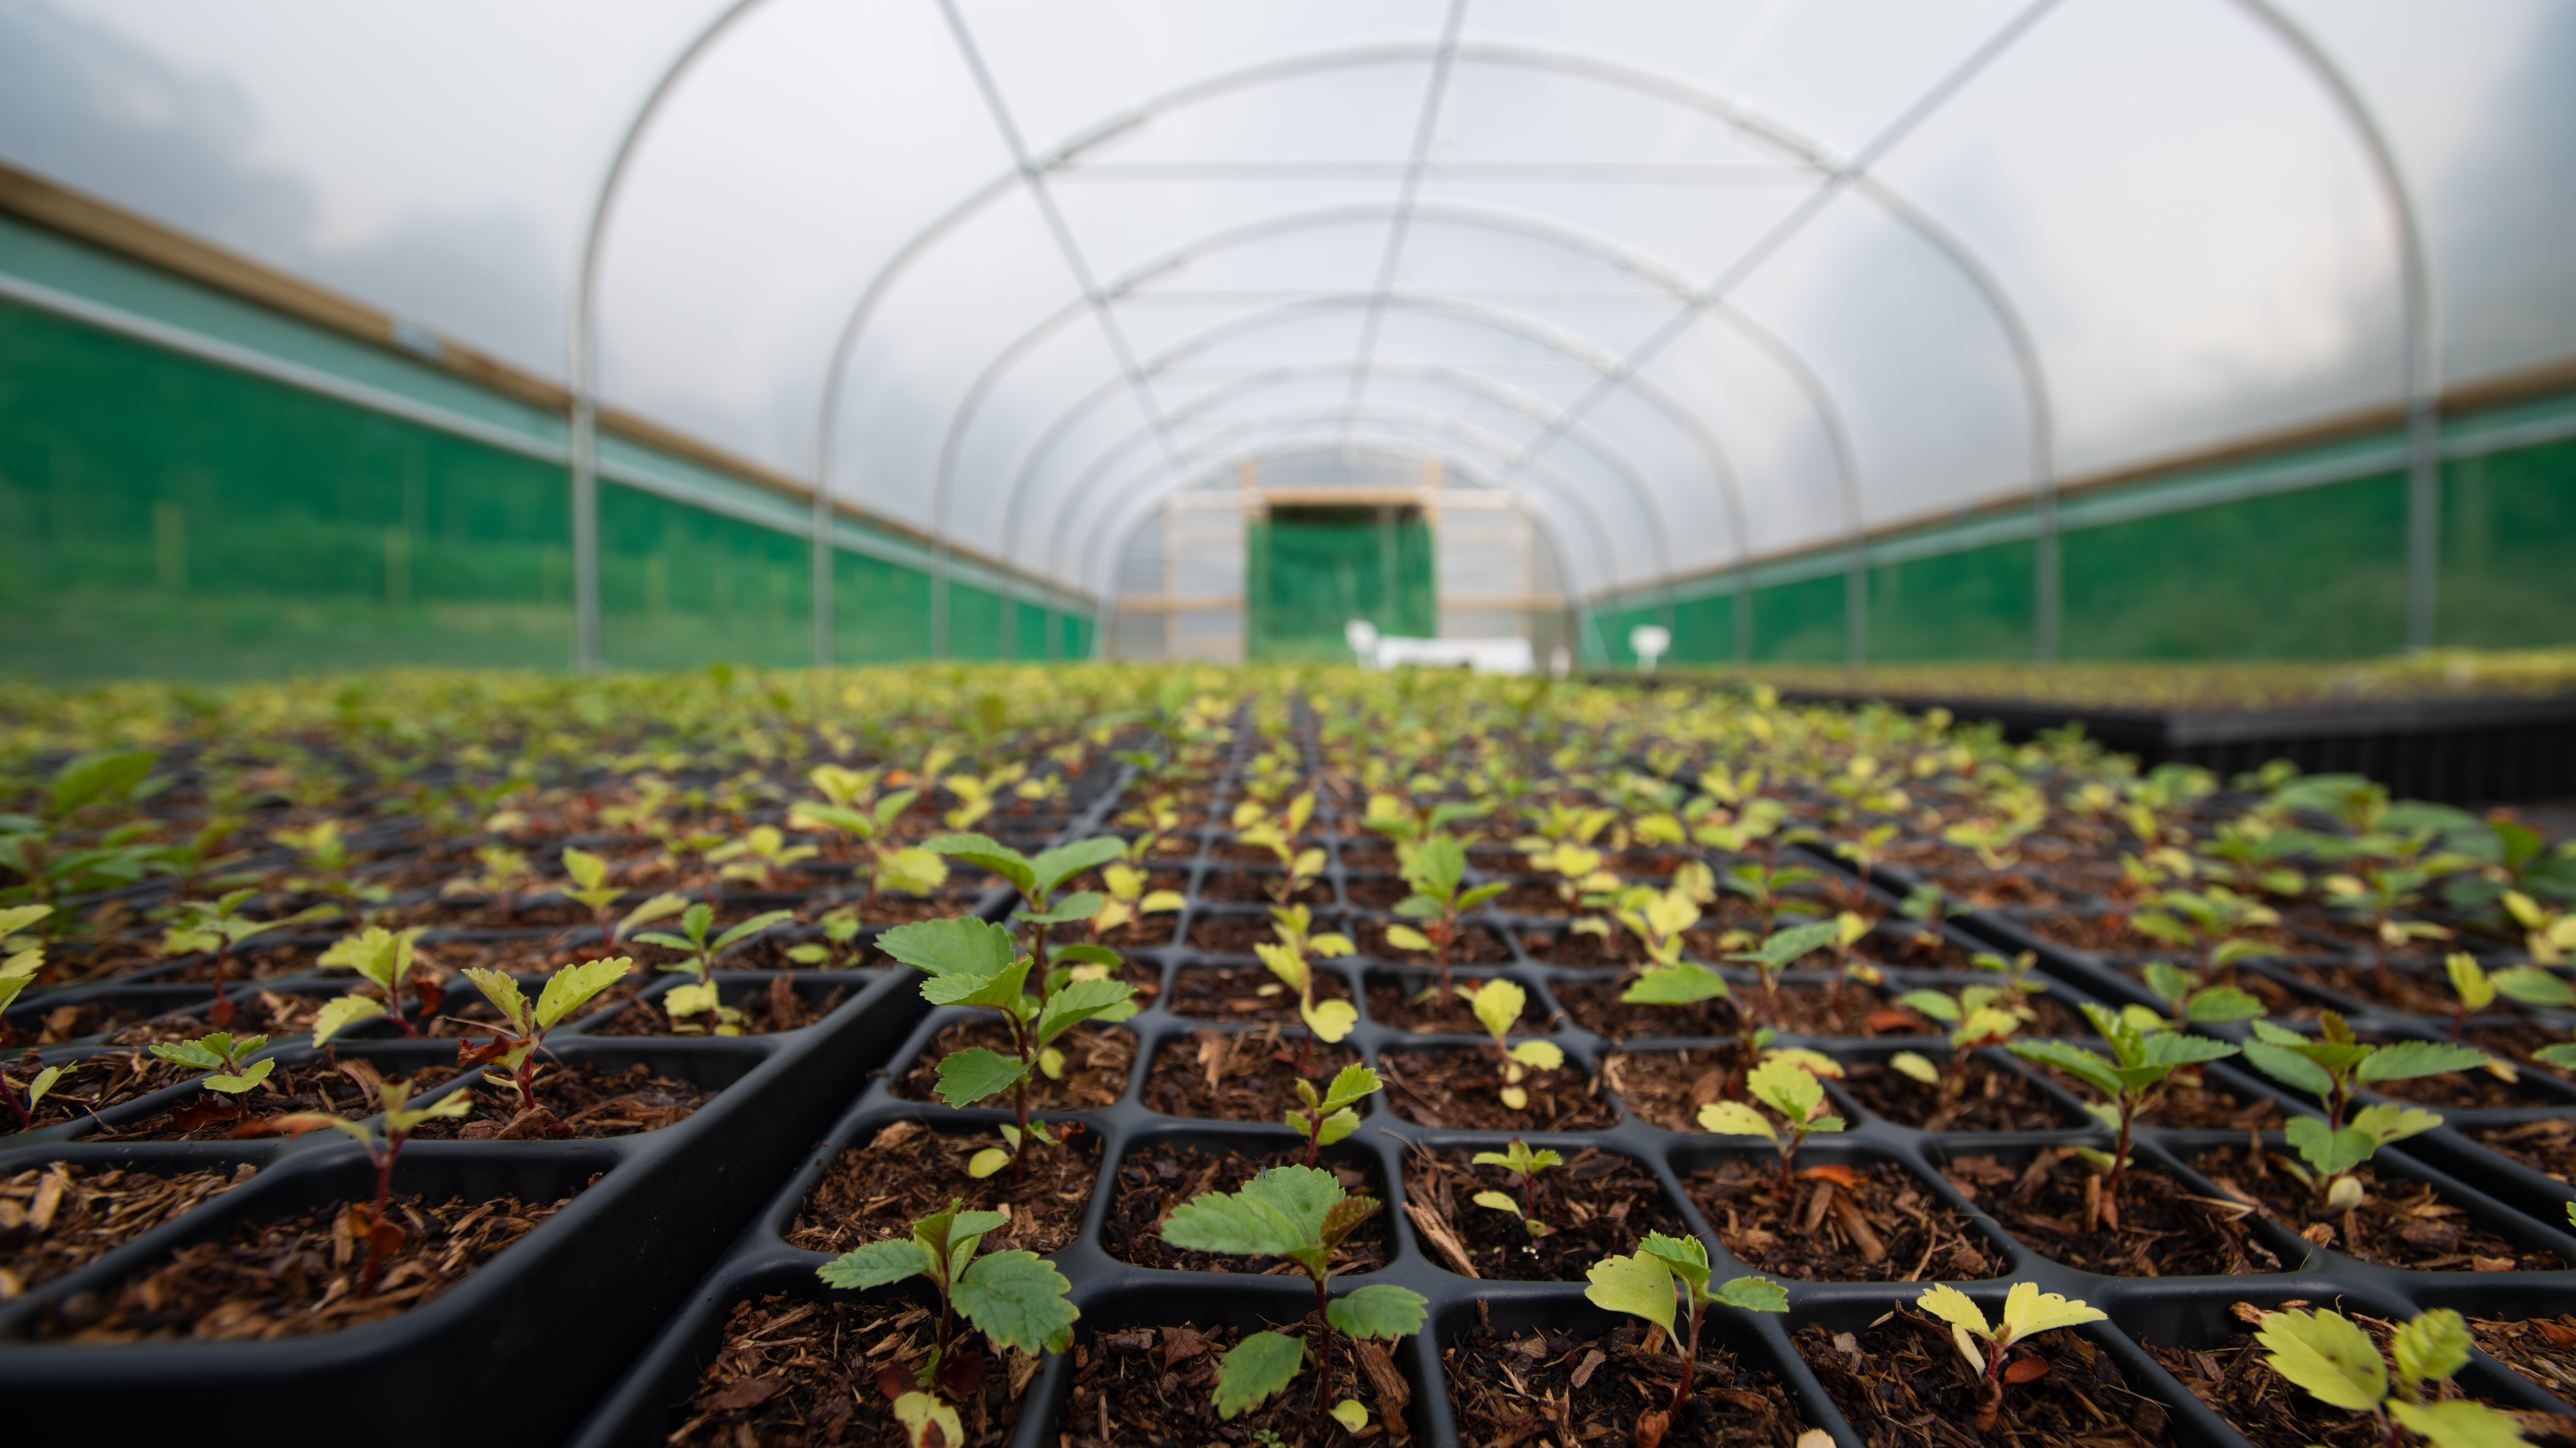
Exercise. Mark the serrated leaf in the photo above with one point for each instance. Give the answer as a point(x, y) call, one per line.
point(1787, 1088)
point(1544, 1055)
point(2327, 1150)
point(574, 985)
point(693, 999)
point(1079, 1001)
point(2171, 1049)
point(1351, 1414)
point(1053, 867)
point(1379, 1310)
point(1787, 946)
point(1955, 1308)
point(1255, 1368)
point(1639, 1285)
point(1687, 1257)
point(2532, 987)
point(502, 991)
point(1497, 1005)
point(964, 947)
point(2222, 1003)
point(1337, 1126)
point(1329, 1020)
point(195, 1056)
point(1675, 985)
point(2434, 1345)
point(970, 1075)
point(1814, 1063)
point(1754, 1294)
point(2390, 1121)
point(2168, 981)
point(1734, 1118)
point(2459, 1423)
point(2287, 1066)
point(2029, 1311)
point(1350, 1084)
point(1080, 905)
point(2406, 1060)
point(1499, 1201)
point(2326, 1356)
point(986, 853)
point(346, 1011)
point(233, 1085)
point(1306, 1195)
point(1005, 990)
point(876, 1264)
point(1086, 954)
point(1017, 1299)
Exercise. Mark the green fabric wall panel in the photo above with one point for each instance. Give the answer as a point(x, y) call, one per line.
point(1974, 604)
point(1800, 621)
point(1704, 630)
point(2317, 573)
point(1028, 631)
point(680, 586)
point(2508, 575)
point(1310, 571)
point(880, 610)
point(974, 623)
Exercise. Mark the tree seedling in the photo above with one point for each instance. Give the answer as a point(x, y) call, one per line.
point(1037, 879)
point(1526, 1164)
point(383, 958)
point(1254, 825)
point(2207, 923)
point(973, 962)
point(504, 874)
point(1301, 1214)
point(1435, 870)
point(219, 1054)
point(1129, 900)
point(1326, 1117)
point(760, 858)
point(22, 957)
point(2027, 1313)
point(840, 927)
point(371, 1223)
point(590, 887)
point(2332, 1066)
point(2475, 989)
point(1016, 1299)
point(2139, 1063)
point(1763, 885)
point(2189, 1000)
point(700, 997)
point(566, 991)
point(1788, 1087)
point(218, 929)
point(1498, 1004)
point(1326, 1021)
point(2327, 1356)
point(1647, 1283)
point(324, 852)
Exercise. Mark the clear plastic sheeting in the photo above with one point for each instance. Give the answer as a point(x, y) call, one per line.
point(1698, 285)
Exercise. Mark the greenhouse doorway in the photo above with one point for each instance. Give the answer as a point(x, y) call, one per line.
point(1309, 571)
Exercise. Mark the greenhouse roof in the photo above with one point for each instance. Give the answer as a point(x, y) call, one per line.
point(1703, 284)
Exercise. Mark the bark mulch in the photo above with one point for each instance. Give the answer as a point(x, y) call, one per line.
point(779, 1007)
point(1971, 1096)
point(2466, 1091)
point(1157, 1385)
point(2164, 1231)
point(268, 1013)
point(1245, 993)
point(1902, 1384)
point(2238, 1385)
point(1596, 1205)
point(1418, 1004)
point(2404, 990)
point(2547, 1147)
point(1474, 946)
point(1238, 1075)
point(581, 1099)
point(2542, 1349)
point(60, 1217)
point(1459, 1090)
point(1097, 1060)
point(338, 1087)
point(1257, 887)
point(2516, 1042)
point(1552, 1386)
point(1669, 1087)
point(292, 1277)
point(1839, 1222)
point(908, 1171)
point(1154, 1179)
point(86, 1086)
point(2398, 1224)
point(1809, 1010)
point(83, 1020)
point(2110, 934)
point(793, 1372)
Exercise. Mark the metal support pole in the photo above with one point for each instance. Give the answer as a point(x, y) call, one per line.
point(2046, 580)
point(1743, 615)
point(2423, 522)
point(822, 576)
point(1856, 603)
point(587, 657)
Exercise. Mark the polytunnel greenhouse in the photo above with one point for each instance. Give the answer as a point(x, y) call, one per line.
point(959, 723)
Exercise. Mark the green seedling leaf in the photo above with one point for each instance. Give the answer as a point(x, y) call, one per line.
point(1350, 1413)
point(2326, 1356)
point(1079, 1001)
point(1675, 985)
point(1053, 867)
point(1499, 1201)
point(1255, 1368)
point(1017, 1299)
point(340, 1014)
point(1640, 1286)
point(984, 852)
point(1918, 1067)
point(234, 1085)
point(2406, 1060)
point(967, 947)
point(970, 1075)
point(1497, 1004)
point(1380, 1309)
point(1330, 1020)
point(1932, 1003)
point(1351, 1084)
point(2533, 987)
point(920, 1413)
point(1754, 1294)
point(1005, 991)
point(574, 985)
point(2433, 1346)
point(2288, 1067)
point(1081, 905)
point(1734, 1118)
point(504, 994)
point(877, 1264)
point(2459, 1423)
point(2222, 1003)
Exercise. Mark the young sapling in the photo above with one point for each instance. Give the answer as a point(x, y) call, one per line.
point(1786, 1085)
point(1526, 1164)
point(2332, 1360)
point(2139, 1063)
point(1302, 1214)
point(1498, 1004)
point(760, 858)
point(1326, 1021)
point(218, 929)
point(1254, 825)
point(1326, 1117)
point(1646, 1284)
point(1016, 1299)
point(2189, 1001)
point(2476, 989)
point(2332, 1066)
point(515, 1049)
point(372, 1222)
point(383, 958)
point(22, 957)
point(1436, 870)
point(590, 887)
point(700, 997)
point(219, 1054)
point(2027, 1313)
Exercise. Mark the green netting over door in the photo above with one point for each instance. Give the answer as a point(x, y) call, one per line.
point(1973, 604)
point(1800, 621)
point(2317, 573)
point(162, 516)
point(2509, 549)
point(1309, 571)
